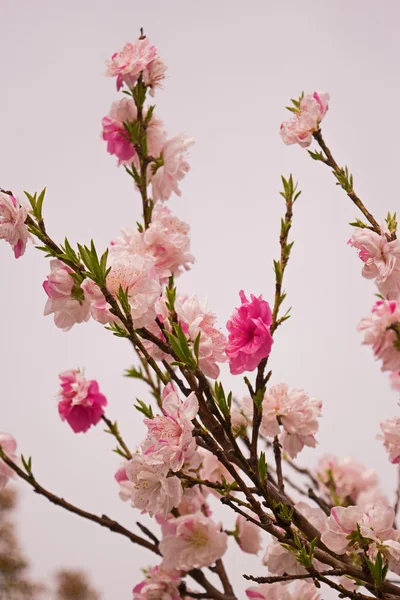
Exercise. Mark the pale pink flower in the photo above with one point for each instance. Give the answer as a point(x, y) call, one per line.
point(395, 380)
point(303, 590)
point(116, 136)
point(193, 501)
point(279, 561)
point(348, 477)
point(158, 585)
point(9, 446)
point(377, 523)
point(381, 260)
point(213, 470)
point(296, 412)
point(65, 298)
point(80, 402)
point(371, 497)
point(171, 168)
point(391, 438)
point(170, 439)
point(196, 542)
point(135, 274)
point(249, 339)
point(341, 523)
point(248, 535)
point(134, 59)
point(153, 492)
point(392, 552)
point(166, 241)
point(376, 327)
point(269, 591)
point(12, 223)
point(154, 75)
point(306, 120)
point(313, 514)
point(239, 422)
point(125, 486)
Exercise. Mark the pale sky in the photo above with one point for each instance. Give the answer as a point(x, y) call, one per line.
point(232, 68)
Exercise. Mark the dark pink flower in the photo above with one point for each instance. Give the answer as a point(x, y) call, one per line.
point(249, 339)
point(81, 403)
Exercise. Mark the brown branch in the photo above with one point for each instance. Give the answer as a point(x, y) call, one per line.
point(286, 577)
point(221, 572)
point(278, 462)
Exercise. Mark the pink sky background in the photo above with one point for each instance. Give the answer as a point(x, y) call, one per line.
point(232, 68)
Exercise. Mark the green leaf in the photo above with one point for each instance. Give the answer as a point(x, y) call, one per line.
point(262, 467)
point(144, 409)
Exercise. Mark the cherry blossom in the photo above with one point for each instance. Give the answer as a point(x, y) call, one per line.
point(306, 119)
point(249, 339)
point(379, 332)
point(153, 491)
point(248, 535)
point(9, 446)
point(381, 260)
point(116, 136)
point(303, 590)
point(12, 223)
point(213, 470)
point(134, 59)
point(158, 585)
point(125, 486)
point(269, 591)
point(136, 275)
point(80, 402)
point(170, 168)
point(344, 478)
point(65, 298)
point(170, 439)
point(391, 438)
point(395, 380)
point(280, 561)
point(296, 412)
point(195, 542)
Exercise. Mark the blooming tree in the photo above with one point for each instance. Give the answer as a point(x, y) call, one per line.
point(327, 525)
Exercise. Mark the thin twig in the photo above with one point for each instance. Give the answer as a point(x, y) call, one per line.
point(113, 429)
point(278, 462)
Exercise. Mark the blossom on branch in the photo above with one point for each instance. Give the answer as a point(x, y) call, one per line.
point(141, 57)
point(381, 260)
point(381, 331)
point(193, 541)
point(308, 114)
point(249, 339)
point(158, 585)
point(391, 438)
point(343, 480)
point(12, 223)
point(80, 402)
point(248, 535)
point(295, 412)
point(170, 168)
point(66, 299)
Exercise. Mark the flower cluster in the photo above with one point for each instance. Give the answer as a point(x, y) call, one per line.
point(381, 332)
point(135, 60)
point(12, 223)
point(343, 481)
point(249, 339)
point(352, 530)
point(293, 411)
point(80, 402)
point(308, 114)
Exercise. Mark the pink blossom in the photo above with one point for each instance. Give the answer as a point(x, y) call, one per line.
point(80, 402)
point(153, 492)
point(376, 327)
point(306, 120)
point(296, 412)
point(116, 136)
point(125, 486)
point(313, 514)
point(341, 523)
point(371, 497)
point(65, 298)
point(377, 523)
point(196, 542)
point(12, 223)
point(279, 560)
point(249, 339)
point(269, 591)
point(154, 75)
point(213, 470)
point(9, 446)
point(166, 241)
point(248, 535)
point(171, 168)
point(391, 438)
point(381, 260)
point(132, 60)
point(170, 439)
point(391, 550)
point(193, 501)
point(348, 477)
point(303, 590)
point(395, 380)
point(158, 585)
point(239, 422)
point(135, 274)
